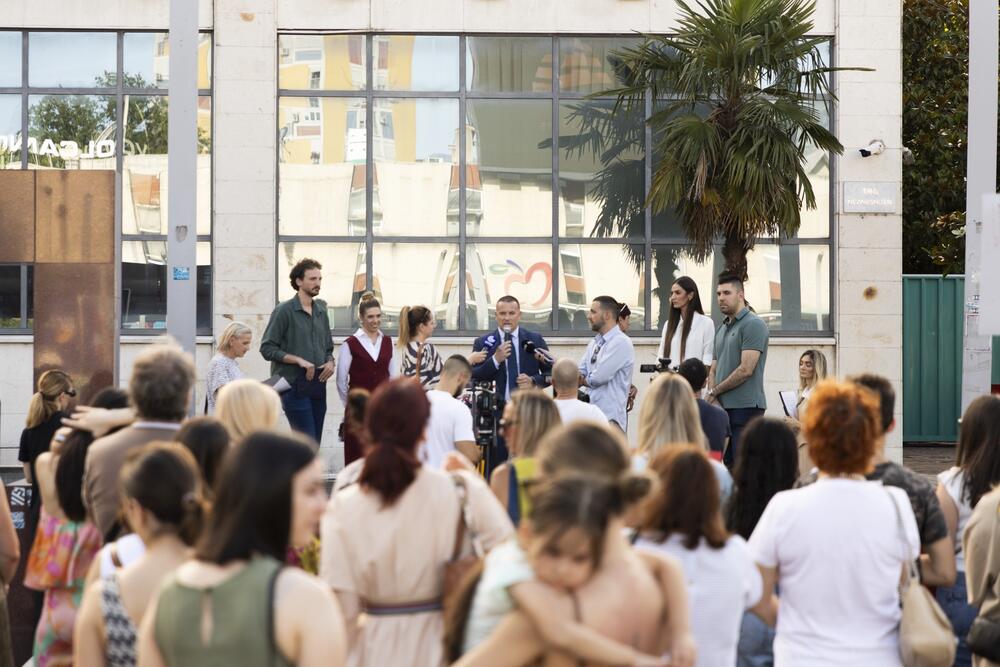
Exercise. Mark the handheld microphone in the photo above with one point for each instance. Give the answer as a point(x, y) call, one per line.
point(506, 334)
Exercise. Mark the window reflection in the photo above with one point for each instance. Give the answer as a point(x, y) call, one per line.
point(522, 270)
point(344, 268)
point(409, 274)
point(588, 271)
point(586, 64)
point(511, 162)
point(10, 131)
point(321, 62)
point(147, 60)
point(815, 223)
point(10, 296)
point(10, 58)
point(508, 64)
point(71, 132)
point(415, 62)
point(144, 285)
point(92, 62)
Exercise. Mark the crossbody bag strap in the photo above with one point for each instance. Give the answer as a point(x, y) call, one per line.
point(419, 360)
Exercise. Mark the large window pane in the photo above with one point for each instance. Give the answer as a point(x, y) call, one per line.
point(144, 285)
point(10, 296)
point(322, 62)
point(410, 274)
point(71, 132)
point(510, 165)
point(10, 131)
point(602, 171)
point(417, 176)
point(72, 59)
point(508, 64)
point(10, 58)
point(522, 270)
point(669, 263)
point(815, 223)
point(586, 64)
point(344, 269)
point(144, 167)
point(321, 170)
point(588, 271)
point(147, 60)
point(415, 62)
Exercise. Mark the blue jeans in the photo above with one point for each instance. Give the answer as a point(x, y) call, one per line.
point(305, 415)
point(756, 645)
point(738, 419)
point(954, 602)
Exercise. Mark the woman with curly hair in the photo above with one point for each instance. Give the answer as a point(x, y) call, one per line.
point(837, 549)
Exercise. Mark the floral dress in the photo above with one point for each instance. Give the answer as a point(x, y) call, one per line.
point(58, 564)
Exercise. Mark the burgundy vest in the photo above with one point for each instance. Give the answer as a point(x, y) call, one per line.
point(366, 373)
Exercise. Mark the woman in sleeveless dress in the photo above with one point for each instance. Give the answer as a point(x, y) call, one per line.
point(366, 360)
point(386, 539)
point(164, 505)
point(235, 603)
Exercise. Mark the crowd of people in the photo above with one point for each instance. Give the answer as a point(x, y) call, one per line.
point(722, 538)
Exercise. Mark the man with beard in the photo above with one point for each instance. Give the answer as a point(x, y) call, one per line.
point(299, 346)
point(736, 378)
point(606, 366)
point(449, 427)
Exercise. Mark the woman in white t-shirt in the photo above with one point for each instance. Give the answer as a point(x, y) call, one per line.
point(689, 332)
point(837, 549)
point(683, 521)
point(976, 471)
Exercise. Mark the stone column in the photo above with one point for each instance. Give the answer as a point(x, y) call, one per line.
point(870, 259)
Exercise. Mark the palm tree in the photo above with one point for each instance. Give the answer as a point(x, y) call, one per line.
point(737, 89)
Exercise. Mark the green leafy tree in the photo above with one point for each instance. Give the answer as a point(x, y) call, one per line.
point(740, 83)
point(78, 118)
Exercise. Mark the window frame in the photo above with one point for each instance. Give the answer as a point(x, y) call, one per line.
point(555, 96)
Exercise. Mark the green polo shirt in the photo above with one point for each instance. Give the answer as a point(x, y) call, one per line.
point(291, 330)
point(744, 332)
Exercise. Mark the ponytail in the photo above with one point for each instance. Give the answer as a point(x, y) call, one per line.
point(51, 385)
point(195, 514)
point(403, 339)
point(409, 321)
point(389, 470)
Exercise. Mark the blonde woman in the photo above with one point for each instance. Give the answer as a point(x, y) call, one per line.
point(669, 416)
point(527, 417)
point(246, 406)
point(812, 371)
point(233, 344)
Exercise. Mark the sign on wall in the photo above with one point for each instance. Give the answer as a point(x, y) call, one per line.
point(871, 197)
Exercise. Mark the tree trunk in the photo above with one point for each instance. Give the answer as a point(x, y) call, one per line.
point(664, 273)
point(735, 254)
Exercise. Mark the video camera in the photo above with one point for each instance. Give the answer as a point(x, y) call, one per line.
point(662, 365)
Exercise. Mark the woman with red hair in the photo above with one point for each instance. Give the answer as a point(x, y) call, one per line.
point(838, 548)
point(387, 538)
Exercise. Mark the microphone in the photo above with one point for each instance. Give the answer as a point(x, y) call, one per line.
point(506, 334)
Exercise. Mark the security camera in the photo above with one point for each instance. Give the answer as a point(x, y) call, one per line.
point(908, 157)
point(874, 148)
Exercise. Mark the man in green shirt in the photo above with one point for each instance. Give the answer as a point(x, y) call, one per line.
point(299, 346)
point(736, 378)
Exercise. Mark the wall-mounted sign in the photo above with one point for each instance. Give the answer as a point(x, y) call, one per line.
point(871, 197)
point(182, 273)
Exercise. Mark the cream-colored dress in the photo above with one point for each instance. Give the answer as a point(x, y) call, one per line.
point(395, 555)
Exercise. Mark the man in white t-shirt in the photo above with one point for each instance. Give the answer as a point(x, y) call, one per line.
point(449, 428)
point(565, 382)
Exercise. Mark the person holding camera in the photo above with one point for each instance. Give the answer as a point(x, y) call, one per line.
point(514, 360)
point(606, 366)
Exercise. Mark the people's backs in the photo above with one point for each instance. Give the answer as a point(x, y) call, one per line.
point(715, 424)
point(571, 410)
point(839, 551)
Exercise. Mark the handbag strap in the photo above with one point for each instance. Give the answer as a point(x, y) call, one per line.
point(912, 568)
point(419, 359)
point(464, 521)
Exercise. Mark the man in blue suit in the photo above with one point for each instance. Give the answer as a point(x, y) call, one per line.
point(508, 361)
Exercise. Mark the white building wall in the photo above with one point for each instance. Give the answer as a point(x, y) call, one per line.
point(868, 301)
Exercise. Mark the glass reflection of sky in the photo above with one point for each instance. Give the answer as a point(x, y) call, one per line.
point(70, 59)
point(10, 114)
point(10, 58)
point(435, 67)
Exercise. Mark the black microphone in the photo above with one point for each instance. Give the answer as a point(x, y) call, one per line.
point(506, 335)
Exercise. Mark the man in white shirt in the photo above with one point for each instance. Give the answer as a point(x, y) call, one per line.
point(606, 366)
point(449, 427)
point(565, 381)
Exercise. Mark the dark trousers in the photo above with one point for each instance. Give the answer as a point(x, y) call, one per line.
point(305, 415)
point(738, 419)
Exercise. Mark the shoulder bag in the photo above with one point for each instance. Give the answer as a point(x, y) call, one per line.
point(926, 638)
point(984, 635)
point(459, 568)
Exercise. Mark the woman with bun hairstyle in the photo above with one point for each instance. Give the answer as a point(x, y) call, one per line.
point(163, 502)
point(386, 540)
point(416, 325)
point(366, 360)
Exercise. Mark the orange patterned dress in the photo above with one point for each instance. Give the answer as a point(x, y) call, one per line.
point(58, 564)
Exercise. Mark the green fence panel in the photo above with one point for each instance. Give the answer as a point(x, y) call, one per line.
point(932, 357)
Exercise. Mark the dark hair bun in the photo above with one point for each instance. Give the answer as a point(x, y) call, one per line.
point(634, 486)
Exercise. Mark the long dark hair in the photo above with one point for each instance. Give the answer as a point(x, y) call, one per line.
point(688, 500)
point(978, 452)
point(689, 286)
point(69, 469)
point(252, 513)
point(395, 421)
point(767, 462)
point(164, 479)
point(208, 441)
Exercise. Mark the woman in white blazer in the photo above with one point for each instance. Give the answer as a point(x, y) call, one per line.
point(689, 332)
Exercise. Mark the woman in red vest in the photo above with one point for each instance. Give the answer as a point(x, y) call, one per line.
point(366, 361)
